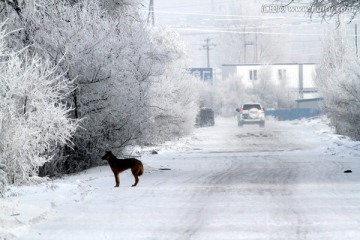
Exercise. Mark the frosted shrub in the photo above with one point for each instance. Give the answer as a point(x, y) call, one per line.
point(3, 180)
point(174, 108)
point(34, 118)
point(338, 78)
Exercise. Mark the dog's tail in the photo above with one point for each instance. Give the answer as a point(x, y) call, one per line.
point(141, 171)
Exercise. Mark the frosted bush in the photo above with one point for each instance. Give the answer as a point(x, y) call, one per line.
point(338, 78)
point(34, 119)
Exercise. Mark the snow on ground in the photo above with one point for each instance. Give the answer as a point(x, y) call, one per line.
point(284, 181)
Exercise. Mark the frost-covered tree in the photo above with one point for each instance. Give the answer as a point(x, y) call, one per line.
point(228, 94)
point(173, 111)
point(117, 62)
point(338, 79)
point(231, 92)
point(172, 94)
point(34, 116)
point(270, 94)
point(3, 180)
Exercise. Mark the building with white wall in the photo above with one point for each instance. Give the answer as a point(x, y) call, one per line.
point(296, 76)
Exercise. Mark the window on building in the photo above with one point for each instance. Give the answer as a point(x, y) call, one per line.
point(282, 74)
point(253, 74)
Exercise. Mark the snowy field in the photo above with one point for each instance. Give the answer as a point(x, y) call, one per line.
point(285, 181)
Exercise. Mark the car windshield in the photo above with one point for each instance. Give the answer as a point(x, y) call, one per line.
point(250, 106)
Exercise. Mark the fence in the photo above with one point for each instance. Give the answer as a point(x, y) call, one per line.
point(293, 113)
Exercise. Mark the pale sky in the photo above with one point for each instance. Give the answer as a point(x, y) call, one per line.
point(196, 20)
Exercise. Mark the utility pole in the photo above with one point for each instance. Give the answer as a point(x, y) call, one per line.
point(151, 13)
point(256, 46)
point(208, 46)
point(253, 43)
point(356, 41)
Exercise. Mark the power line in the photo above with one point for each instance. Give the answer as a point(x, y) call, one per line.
point(192, 5)
point(356, 40)
point(248, 32)
point(252, 17)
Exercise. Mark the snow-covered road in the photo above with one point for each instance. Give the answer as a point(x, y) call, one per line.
point(284, 181)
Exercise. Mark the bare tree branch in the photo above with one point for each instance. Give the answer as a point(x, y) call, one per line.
point(14, 4)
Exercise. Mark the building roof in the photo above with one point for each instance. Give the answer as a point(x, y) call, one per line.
point(310, 99)
point(262, 64)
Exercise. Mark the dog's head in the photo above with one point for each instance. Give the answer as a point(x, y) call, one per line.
point(108, 155)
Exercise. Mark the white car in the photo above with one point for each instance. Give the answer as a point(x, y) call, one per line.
point(251, 113)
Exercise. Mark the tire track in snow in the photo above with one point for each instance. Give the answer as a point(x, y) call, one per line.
point(277, 181)
point(272, 179)
point(260, 176)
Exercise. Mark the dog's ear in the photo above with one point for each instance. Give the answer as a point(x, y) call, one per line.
point(108, 152)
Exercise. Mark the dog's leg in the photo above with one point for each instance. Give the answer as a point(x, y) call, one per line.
point(117, 179)
point(135, 174)
point(136, 180)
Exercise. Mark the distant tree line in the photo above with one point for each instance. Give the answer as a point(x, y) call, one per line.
point(338, 76)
